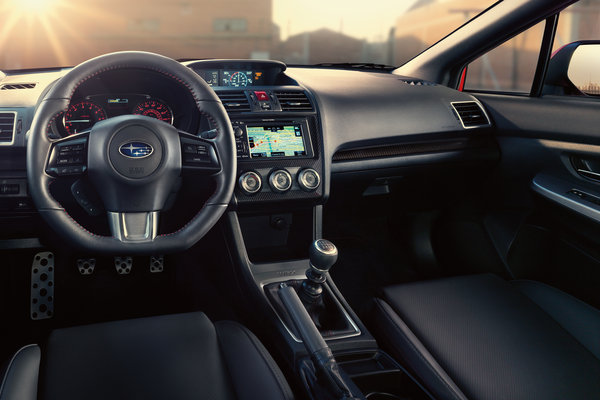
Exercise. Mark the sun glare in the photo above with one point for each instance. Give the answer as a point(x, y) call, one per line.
point(38, 7)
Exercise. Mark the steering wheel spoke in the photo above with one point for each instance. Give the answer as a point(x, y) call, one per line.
point(68, 156)
point(198, 155)
point(134, 226)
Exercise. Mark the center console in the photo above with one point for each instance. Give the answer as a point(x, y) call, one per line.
point(275, 217)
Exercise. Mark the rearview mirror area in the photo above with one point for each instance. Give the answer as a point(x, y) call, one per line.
point(584, 69)
point(574, 69)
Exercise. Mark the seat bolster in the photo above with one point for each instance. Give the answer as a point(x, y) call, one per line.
point(403, 343)
point(253, 371)
point(21, 377)
point(581, 320)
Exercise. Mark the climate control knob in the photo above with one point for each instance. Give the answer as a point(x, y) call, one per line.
point(309, 179)
point(250, 182)
point(280, 180)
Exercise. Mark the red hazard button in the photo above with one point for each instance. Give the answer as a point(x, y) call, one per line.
point(261, 95)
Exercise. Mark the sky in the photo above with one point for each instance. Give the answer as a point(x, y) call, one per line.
point(369, 20)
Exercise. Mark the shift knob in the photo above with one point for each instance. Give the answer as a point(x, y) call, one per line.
point(322, 254)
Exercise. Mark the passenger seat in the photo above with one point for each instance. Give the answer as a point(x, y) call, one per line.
point(481, 337)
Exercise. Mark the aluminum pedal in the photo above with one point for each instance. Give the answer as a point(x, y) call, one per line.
point(42, 286)
point(157, 264)
point(86, 265)
point(123, 265)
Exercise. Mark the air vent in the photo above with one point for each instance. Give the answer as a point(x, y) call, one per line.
point(234, 101)
point(471, 114)
point(416, 82)
point(294, 101)
point(7, 127)
point(14, 86)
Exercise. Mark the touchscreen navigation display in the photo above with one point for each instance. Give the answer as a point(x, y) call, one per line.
point(276, 141)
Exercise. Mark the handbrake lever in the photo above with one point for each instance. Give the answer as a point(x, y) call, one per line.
point(316, 346)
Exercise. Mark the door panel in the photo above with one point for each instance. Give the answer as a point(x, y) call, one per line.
point(539, 213)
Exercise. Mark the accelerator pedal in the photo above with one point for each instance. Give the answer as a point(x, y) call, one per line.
point(157, 264)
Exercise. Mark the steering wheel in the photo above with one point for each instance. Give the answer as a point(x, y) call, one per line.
point(133, 161)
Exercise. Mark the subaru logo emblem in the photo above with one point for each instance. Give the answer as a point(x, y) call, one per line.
point(136, 149)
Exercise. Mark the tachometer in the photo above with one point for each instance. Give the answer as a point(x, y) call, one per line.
point(82, 116)
point(155, 109)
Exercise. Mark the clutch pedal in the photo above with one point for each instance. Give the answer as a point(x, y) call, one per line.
point(42, 286)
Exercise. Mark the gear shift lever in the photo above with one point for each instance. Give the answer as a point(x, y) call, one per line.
point(323, 254)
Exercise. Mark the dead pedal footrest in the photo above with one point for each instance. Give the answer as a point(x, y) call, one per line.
point(42, 286)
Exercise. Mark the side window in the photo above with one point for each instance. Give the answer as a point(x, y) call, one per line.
point(580, 21)
point(509, 67)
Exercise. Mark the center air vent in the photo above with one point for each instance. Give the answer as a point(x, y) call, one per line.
point(294, 101)
point(14, 86)
point(471, 114)
point(7, 127)
point(234, 101)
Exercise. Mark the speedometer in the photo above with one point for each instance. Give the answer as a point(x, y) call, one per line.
point(82, 116)
point(155, 109)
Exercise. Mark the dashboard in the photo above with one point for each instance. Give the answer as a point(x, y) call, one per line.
point(296, 129)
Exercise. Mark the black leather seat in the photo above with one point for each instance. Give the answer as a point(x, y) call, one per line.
point(182, 356)
point(480, 337)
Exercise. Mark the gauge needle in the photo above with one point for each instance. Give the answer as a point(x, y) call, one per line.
point(79, 120)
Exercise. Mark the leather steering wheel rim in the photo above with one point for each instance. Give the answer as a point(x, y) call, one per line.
point(39, 145)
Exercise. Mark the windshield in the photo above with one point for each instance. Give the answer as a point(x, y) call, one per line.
point(58, 33)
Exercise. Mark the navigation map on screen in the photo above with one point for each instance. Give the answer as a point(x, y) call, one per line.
point(275, 141)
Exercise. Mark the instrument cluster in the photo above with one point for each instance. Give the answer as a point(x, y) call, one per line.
point(82, 115)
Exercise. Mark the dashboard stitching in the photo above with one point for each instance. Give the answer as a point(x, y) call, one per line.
point(124, 66)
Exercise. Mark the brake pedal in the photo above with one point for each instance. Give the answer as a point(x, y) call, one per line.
point(42, 286)
point(86, 265)
point(157, 264)
point(123, 265)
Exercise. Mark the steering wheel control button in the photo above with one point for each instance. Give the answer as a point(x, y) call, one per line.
point(250, 182)
point(123, 265)
point(198, 153)
point(280, 181)
point(42, 286)
point(68, 158)
point(309, 179)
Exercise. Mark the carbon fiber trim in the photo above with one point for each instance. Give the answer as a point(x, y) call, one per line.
point(408, 148)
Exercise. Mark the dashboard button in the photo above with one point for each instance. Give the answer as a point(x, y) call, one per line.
point(309, 179)
point(261, 95)
point(280, 181)
point(250, 182)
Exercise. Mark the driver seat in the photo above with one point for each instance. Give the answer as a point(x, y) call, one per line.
point(181, 356)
